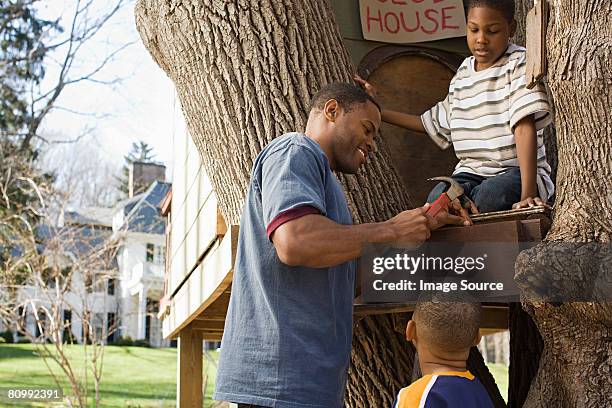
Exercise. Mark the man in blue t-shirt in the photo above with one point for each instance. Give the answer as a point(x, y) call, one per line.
point(287, 336)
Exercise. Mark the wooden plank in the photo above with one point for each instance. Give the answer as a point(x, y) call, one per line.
point(221, 225)
point(533, 230)
point(494, 316)
point(212, 336)
point(193, 215)
point(512, 215)
point(193, 242)
point(189, 370)
point(361, 310)
point(208, 325)
point(536, 43)
point(206, 290)
point(507, 231)
point(211, 318)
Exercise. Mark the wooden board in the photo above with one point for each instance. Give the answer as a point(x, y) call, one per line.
point(412, 80)
point(494, 315)
point(536, 43)
point(507, 231)
point(520, 214)
point(205, 292)
point(189, 378)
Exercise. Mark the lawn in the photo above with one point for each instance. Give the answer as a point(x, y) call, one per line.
point(500, 373)
point(132, 376)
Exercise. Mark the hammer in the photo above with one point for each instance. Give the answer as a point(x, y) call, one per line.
point(454, 191)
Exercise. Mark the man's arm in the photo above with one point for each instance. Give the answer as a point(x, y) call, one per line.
point(316, 241)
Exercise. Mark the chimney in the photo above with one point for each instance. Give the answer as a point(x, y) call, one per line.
point(143, 174)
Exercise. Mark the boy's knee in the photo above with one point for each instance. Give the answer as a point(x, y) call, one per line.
point(490, 197)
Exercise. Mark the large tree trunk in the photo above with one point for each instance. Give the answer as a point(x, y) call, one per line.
point(244, 72)
point(525, 340)
point(575, 368)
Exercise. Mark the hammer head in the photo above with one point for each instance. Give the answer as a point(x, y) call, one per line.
point(454, 190)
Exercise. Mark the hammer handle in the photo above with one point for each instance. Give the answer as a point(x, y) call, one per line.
point(440, 204)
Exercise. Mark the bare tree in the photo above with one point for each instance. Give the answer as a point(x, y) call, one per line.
point(83, 173)
point(46, 269)
point(73, 273)
point(83, 24)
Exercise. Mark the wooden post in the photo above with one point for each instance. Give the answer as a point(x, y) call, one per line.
point(537, 20)
point(189, 369)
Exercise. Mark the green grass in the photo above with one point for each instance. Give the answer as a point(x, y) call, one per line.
point(500, 373)
point(132, 376)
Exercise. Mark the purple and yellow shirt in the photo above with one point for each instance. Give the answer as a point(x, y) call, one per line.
point(444, 390)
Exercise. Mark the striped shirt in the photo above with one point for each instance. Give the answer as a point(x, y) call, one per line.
point(479, 114)
point(444, 390)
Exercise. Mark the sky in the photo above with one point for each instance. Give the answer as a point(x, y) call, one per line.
point(140, 107)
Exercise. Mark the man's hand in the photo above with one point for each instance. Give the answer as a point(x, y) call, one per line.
point(530, 202)
point(448, 217)
point(410, 228)
point(456, 208)
point(365, 85)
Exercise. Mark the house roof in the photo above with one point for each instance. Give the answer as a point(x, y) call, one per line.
point(89, 243)
point(100, 216)
point(142, 212)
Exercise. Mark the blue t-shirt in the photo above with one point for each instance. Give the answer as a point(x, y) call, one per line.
point(288, 330)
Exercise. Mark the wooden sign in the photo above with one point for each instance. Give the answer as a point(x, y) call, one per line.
point(536, 43)
point(411, 21)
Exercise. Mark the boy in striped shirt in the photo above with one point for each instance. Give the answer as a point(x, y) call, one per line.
point(443, 332)
point(494, 122)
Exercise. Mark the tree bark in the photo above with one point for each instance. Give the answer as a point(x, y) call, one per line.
point(575, 368)
point(244, 72)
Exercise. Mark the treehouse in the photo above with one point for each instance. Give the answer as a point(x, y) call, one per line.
point(201, 248)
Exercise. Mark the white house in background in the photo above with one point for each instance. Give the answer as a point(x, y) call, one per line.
point(128, 303)
point(140, 227)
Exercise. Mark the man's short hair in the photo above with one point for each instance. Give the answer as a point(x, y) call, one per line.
point(347, 96)
point(506, 7)
point(447, 324)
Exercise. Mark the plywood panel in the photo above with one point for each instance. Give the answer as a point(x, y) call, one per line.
point(205, 286)
point(194, 217)
point(413, 84)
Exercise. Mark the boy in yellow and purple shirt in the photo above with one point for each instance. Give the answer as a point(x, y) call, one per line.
point(443, 333)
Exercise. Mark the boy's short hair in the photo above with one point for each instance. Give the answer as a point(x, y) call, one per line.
point(505, 6)
point(447, 324)
point(347, 95)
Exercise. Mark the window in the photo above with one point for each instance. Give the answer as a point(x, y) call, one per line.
point(152, 306)
point(160, 254)
point(150, 252)
point(88, 281)
point(111, 287)
point(67, 336)
point(111, 327)
point(156, 254)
